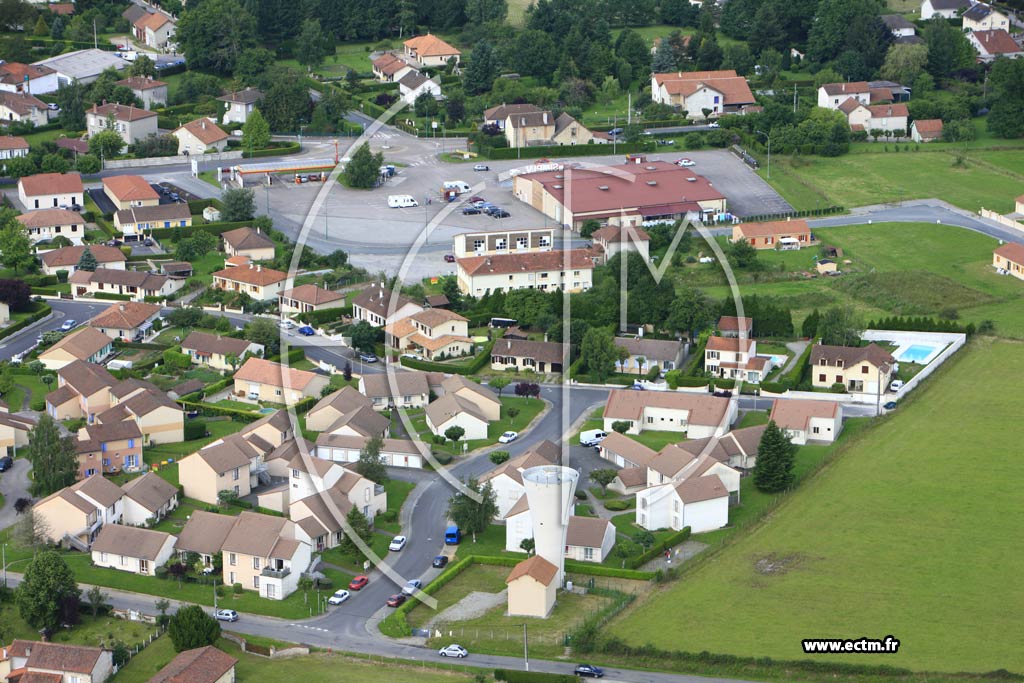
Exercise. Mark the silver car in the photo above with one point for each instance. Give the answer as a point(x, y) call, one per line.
point(453, 650)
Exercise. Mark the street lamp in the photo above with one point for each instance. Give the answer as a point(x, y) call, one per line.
point(3, 551)
point(526, 648)
point(769, 152)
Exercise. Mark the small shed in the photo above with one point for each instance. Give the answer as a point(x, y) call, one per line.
point(827, 267)
point(211, 214)
point(531, 588)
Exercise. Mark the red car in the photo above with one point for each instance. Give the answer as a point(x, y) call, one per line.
point(449, 258)
point(395, 600)
point(359, 583)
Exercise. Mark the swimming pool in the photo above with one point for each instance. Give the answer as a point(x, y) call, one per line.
point(916, 353)
point(267, 411)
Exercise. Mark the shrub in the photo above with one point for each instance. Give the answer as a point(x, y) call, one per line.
point(838, 388)
point(237, 589)
point(581, 495)
point(194, 430)
point(386, 516)
point(616, 505)
point(512, 676)
point(498, 457)
point(443, 458)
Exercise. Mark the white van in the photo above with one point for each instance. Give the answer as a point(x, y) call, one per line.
point(896, 385)
point(592, 437)
point(457, 185)
point(401, 201)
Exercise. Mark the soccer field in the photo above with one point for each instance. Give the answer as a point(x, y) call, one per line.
point(915, 531)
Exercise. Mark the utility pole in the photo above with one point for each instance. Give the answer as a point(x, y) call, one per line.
point(768, 135)
point(629, 108)
point(526, 648)
point(4, 552)
point(95, 45)
point(794, 98)
point(215, 597)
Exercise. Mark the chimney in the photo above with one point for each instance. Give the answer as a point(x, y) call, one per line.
point(250, 265)
point(545, 118)
point(121, 307)
point(203, 124)
point(259, 268)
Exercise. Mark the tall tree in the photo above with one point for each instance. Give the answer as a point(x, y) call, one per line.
point(47, 584)
point(841, 25)
point(664, 60)
point(904, 63)
point(363, 169)
point(87, 261)
point(314, 44)
point(53, 457)
point(766, 31)
point(360, 528)
point(106, 144)
point(255, 131)
point(239, 204)
point(213, 33)
point(15, 245)
point(597, 353)
point(773, 471)
point(286, 104)
point(691, 312)
point(482, 69)
point(481, 12)
point(371, 462)
point(631, 47)
point(471, 515)
point(191, 626)
point(948, 48)
point(840, 326)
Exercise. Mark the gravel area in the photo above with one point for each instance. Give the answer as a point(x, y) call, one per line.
point(474, 605)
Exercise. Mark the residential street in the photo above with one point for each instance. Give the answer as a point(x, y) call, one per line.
point(13, 485)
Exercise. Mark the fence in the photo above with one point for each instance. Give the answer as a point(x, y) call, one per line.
point(1001, 219)
point(953, 342)
point(133, 615)
point(271, 651)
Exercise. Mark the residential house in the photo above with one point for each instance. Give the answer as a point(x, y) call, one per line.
point(12, 147)
point(507, 479)
point(452, 410)
point(589, 539)
point(379, 307)
point(704, 94)
point(155, 30)
point(701, 503)
point(132, 549)
point(28, 661)
point(217, 352)
point(569, 271)
point(497, 116)
point(832, 95)
point(147, 499)
point(614, 239)
point(127, 320)
point(396, 390)
point(737, 449)
point(67, 258)
point(38, 79)
point(430, 51)
point(891, 118)
point(233, 463)
point(128, 121)
point(134, 223)
point(272, 430)
point(947, 9)
point(898, 25)
point(248, 242)
point(687, 460)
point(791, 234)
point(346, 449)
point(806, 420)
point(889, 92)
point(160, 419)
point(136, 284)
point(926, 130)
point(109, 448)
point(860, 369)
point(984, 17)
point(177, 269)
point(389, 68)
point(532, 585)
point(301, 473)
point(45, 224)
point(628, 481)
point(644, 354)
point(569, 131)
point(22, 107)
point(732, 326)
point(264, 380)
point(14, 430)
point(308, 299)
point(51, 191)
point(413, 84)
point(993, 44)
point(696, 415)
point(261, 284)
point(153, 93)
point(503, 242)
point(321, 515)
point(85, 66)
point(83, 390)
point(634, 193)
point(525, 130)
point(127, 191)
point(202, 665)
point(1009, 257)
point(239, 104)
point(519, 354)
point(264, 554)
point(433, 332)
point(735, 358)
point(334, 407)
point(626, 453)
point(204, 534)
point(200, 136)
point(86, 344)
point(75, 514)
point(483, 397)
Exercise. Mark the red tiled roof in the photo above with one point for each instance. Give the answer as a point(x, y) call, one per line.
point(205, 130)
point(1012, 252)
point(252, 275)
point(929, 127)
point(141, 83)
point(121, 112)
point(530, 262)
point(51, 183)
point(996, 42)
point(13, 142)
point(129, 188)
point(774, 228)
point(430, 46)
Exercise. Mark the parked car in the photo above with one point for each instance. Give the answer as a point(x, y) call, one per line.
point(338, 597)
point(226, 615)
point(148, 242)
point(286, 324)
point(358, 583)
point(592, 437)
point(397, 543)
point(714, 124)
point(6, 463)
point(891, 405)
point(449, 258)
point(470, 211)
point(589, 670)
point(481, 203)
point(475, 198)
point(396, 600)
point(53, 106)
point(481, 167)
point(69, 324)
point(368, 357)
point(896, 385)
point(500, 213)
point(508, 437)
point(685, 162)
point(453, 650)
point(615, 132)
point(306, 331)
point(412, 586)
point(440, 562)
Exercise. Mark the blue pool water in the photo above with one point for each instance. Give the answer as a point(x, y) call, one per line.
point(267, 411)
point(916, 353)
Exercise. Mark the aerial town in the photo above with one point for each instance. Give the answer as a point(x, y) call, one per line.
point(511, 340)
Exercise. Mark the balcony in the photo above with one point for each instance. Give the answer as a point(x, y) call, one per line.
point(275, 573)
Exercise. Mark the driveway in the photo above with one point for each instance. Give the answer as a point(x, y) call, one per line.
point(13, 485)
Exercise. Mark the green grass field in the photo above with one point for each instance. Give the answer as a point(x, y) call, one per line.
point(911, 532)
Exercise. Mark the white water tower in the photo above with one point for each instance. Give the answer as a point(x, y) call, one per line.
point(550, 491)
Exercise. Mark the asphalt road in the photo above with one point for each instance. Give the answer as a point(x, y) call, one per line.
point(13, 485)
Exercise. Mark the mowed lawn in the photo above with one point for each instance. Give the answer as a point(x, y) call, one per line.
point(913, 532)
point(876, 177)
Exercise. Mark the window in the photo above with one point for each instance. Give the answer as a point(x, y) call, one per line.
point(231, 578)
point(521, 243)
point(816, 430)
point(588, 554)
point(478, 245)
point(295, 474)
point(103, 448)
point(103, 557)
point(256, 582)
point(863, 369)
point(234, 475)
point(821, 377)
point(839, 362)
point(232, 560)
point(131, 461)
point(256, 563)
point(271, 590)
point(131, 443)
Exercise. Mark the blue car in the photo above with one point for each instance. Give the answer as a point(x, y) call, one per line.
point(589, 670)
point(306, 331)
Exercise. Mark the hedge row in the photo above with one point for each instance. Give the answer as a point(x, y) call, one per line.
point(209, 410)
point(289, 148)
point(327, 315)
point(396, 625)
point(514, 676)
point(42, 310)
point(795, 374)
point(659, 548)
point(196, 206)
point(826, 211)
point(500, 153)
point(110, 296)
point(470, 368)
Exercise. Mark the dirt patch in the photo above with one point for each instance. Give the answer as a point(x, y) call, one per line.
point(777, 565)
